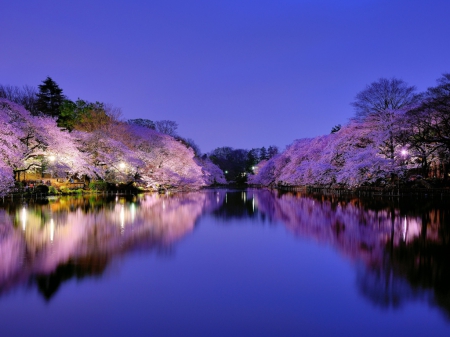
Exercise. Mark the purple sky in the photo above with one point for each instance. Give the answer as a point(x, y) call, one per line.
point(245, 73)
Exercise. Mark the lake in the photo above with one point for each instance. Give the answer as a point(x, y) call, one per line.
point(225, 263)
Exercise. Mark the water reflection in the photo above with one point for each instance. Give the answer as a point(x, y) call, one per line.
point(399, 249)
point(49, 243)
point(238, 204)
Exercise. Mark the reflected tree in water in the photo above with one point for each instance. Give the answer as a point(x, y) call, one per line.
point(399, 248)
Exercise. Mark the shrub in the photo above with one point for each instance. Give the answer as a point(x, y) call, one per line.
point(98, 185)
point(65, 190)
point(41, 189)
point(52, 190)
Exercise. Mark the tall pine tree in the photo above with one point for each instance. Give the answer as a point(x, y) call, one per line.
point(49, 98)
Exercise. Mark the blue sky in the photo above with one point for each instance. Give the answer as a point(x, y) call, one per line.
point(245, 73)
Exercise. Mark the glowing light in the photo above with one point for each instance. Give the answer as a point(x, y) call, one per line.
point(52, 230)
point(122, 165)
point(122, 219)
point(404, 229)
point(404, 153)
point(52, 158)
point(24, 218)
point(133, 212)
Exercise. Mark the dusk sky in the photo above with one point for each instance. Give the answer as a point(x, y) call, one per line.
point(245, 74)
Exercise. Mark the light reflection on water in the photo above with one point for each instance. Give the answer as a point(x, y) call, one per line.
point(399, 250)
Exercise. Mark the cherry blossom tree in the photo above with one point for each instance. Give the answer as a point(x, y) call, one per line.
point(168, 162)
point(111, 158)
point(26, 141)
point(6, 179)
point(349, 157)
point(379, 105)
point(369, 149)
point(212, 174)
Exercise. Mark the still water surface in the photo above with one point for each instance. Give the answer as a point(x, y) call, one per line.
point(225, 263)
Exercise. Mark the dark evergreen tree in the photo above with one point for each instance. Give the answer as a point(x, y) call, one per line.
point(272, 151)
point(233, 163)
point(49, 98)
point(252, 159)
point(263, 154)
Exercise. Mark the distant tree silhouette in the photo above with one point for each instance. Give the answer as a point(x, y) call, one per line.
point(336, 128)
point(143, 122)
point(25, 96)
point(167, 127)
point(384, 96)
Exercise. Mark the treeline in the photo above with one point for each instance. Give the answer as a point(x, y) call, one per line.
point(238, 163)
point(45, 132)
point(48, 100)
point(396, 135)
